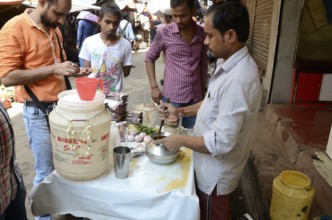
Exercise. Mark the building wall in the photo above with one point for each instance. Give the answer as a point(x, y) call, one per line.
point(286, 51)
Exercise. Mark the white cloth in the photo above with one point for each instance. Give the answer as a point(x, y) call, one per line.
point(225, 120)
point(150, 192)
point(107, 61)
point(129, 33)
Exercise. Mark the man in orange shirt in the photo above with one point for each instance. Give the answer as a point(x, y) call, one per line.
point(30, 54)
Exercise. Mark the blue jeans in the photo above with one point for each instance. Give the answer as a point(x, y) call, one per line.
point(16, 209)
point(40, 141)
point(187, 122)
point(81, 62)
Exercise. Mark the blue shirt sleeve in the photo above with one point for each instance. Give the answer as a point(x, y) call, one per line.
point(79, 33)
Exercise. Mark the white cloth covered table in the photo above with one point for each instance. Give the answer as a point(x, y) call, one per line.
point(150, 192)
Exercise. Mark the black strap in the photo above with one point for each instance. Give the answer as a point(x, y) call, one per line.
point(124, 30)
point(34, 98)
point(125, 27)
point(37, 102)
point(68, 85)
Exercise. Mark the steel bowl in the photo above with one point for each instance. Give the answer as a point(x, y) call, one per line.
point(158, 153)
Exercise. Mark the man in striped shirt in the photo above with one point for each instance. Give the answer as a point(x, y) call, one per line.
point(186, 63)
point(12, 189)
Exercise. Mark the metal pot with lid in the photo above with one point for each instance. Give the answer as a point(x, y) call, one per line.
point(158, 153)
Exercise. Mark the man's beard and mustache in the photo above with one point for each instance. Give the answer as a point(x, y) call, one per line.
point(183, 26)
point(111, 34)
point(47, 22)
point(211, 57)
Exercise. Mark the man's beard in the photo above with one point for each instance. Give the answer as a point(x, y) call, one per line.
point(111, 34)
point(47, 23)
point(184, 26)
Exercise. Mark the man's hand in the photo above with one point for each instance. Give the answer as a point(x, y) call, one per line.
point(168, 112)
point(71, 69)
point(156, 95)
point(67, 68)
point(85, 71)
point(172, 142)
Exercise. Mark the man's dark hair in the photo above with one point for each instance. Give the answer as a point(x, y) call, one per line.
point(230, 15)
point(110, 8)
point(124, 15)
point(177, 3)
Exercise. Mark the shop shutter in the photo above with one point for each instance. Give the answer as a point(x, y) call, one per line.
point(260, 13)
point(251, 5)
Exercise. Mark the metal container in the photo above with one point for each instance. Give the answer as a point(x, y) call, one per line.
point(158, 153)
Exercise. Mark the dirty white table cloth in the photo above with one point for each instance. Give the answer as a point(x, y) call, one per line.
point(150, 192)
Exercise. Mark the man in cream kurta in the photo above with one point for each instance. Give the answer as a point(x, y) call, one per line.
point(226, 116)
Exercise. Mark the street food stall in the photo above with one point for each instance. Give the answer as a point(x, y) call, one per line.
point(85, 183)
